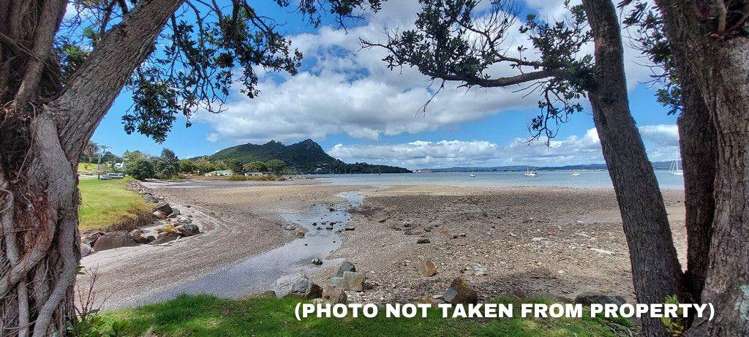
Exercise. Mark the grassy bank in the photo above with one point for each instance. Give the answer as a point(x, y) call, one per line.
point(206, 316)
point(105, 203)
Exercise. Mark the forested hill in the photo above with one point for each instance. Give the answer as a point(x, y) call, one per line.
point(304, 157)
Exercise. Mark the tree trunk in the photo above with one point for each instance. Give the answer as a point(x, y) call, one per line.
point(656, 271)
point(698, 153)
point(39, 149)
point(718, 62)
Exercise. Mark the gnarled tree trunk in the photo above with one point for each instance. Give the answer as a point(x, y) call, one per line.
point(44, 126)
point(656, 271)
point(718, 61)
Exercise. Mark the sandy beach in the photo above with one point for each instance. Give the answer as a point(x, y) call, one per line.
point(516, 241)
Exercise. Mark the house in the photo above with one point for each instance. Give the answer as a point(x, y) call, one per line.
point(219, 173)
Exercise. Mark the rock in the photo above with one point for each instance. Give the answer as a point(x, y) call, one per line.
point(114, 240)
point(353, 281)
point(460, 292)
point(382, 220)
point(337, 281)
point(300, 232)
point(91, 238)
point(161, 215)
point(334, 295)
point(344, 267)
point(476, 269)
point(164, 208)
point(427, 268)
point(422, 241)
point(329, 227)
point(164, 237)
point(175, 213)
point(316, 261)
point(86, 250)
point(297, 285)
point(331, 209)
point(349, 228)
point(459, 235)
point(591, 298)
point(139, 236)
point(289, 227)
point(188, 229)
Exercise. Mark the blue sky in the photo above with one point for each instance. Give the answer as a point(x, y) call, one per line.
point(345, 99)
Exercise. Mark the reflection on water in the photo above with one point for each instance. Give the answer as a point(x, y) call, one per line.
point(585, 179)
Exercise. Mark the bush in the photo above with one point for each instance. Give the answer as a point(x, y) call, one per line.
point(141, 169)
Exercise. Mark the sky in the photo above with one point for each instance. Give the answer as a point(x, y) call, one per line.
point(346, 99)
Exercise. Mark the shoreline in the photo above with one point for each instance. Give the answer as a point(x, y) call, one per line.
point(516, 239)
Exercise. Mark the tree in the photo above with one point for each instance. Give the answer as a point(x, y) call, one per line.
point(56, 85)
point(255, 166)
point(235, 166)
point(141, 169)
point(187, 166)
point(449, 44)
point(167, 166)
point(697, 136)
point(276, 166)
point(710, 41)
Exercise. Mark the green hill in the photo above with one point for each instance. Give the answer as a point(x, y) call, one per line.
point(304, 157)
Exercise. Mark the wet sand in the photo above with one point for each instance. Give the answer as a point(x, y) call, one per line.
point(522, 241)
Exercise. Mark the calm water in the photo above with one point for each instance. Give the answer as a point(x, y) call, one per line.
point(587, 179)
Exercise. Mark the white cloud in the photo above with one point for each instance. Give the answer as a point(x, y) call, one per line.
point(583, 149)
point(350, 91)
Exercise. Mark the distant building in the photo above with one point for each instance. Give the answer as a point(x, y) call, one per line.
point(219, 173)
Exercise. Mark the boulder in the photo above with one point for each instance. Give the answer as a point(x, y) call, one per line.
point(164, 237)
point(353, 281)
point(300, 233)
point(139, 236)
point(161, 215)
point(90, 238)
point(175, 213)
point(427, 268)
point(164, 208)
point(460, 292)
point(297, 285)
point(188, 229)
point(422, 241)
point(344, 267)
point(114, 240)
point(334, 295)
point(316, 261)
point(86, 250)
point(594, 298)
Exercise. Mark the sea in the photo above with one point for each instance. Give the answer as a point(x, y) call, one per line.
point(555, 178)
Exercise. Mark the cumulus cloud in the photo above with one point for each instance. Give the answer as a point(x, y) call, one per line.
point(348, 90)
point(583, 149)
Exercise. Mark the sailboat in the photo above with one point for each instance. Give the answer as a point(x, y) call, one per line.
point(575, 173)
point(529, 173)
point(676, 168)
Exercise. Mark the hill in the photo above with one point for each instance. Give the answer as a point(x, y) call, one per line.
point(304, 157)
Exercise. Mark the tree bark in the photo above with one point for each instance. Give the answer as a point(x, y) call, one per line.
point(698, 153)
point(39, 151)
point(718, 62)
point(656, 271)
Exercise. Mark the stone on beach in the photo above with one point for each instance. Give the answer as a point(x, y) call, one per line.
point(86, 250)
point(165, 237)
point(422, 241)
point(427, 268)
point(334, 295)
point(316, 261)
point(344, 267)
point(460, 292)
point(139, 236)
point(114, 240)
point(188, 229)
point(353, 281)
point(297, 285)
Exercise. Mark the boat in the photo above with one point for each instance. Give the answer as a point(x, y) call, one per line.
point(575, 173)
point(676, 168)
point(473, 175)
point(530, 173)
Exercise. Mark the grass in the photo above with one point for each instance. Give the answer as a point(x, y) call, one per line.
point(87, 168)
point(207, 316)
point(108, 203)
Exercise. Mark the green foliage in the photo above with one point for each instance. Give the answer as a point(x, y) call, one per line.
point(207, 316)
point(276, 166)
point(168, 165)
point(675, 326)
point(187, 166)
point(140, 169)
point(255, 166)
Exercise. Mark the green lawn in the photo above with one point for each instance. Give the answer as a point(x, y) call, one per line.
point(108, 202)
point(204, 316)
